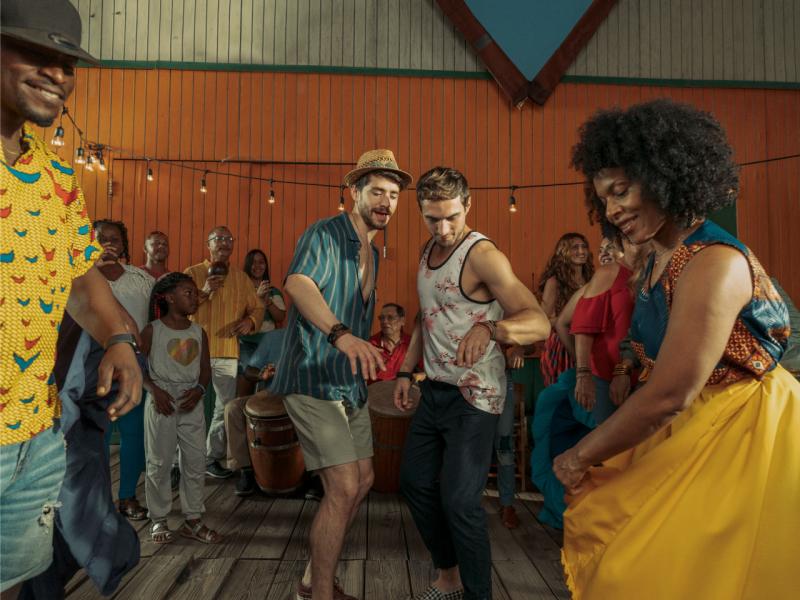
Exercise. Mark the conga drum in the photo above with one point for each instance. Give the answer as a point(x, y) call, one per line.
point(275, 453)
point(389, 430)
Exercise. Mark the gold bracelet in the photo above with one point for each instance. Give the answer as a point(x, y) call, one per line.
point(622, 369)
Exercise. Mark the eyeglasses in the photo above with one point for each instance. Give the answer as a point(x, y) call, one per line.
point(387, 318)
point(221, 238)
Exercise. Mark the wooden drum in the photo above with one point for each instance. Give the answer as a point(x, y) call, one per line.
point(275, 453)
point(389, 430)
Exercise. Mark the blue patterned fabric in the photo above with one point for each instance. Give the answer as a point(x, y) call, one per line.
point(760, 334)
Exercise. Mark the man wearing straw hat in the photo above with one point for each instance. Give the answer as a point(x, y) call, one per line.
point(46, 262)
point(326, 357)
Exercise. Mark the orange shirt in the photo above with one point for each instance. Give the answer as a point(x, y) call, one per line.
point(225, 308)
point(46, 241)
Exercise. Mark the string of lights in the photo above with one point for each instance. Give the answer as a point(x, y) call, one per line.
point(91, 154)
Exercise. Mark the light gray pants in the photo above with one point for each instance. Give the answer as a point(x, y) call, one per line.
point(223, 376)
point(162, 435)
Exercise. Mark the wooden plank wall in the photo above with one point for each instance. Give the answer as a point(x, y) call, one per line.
point(742, 40)
point(208, 116)
point(401, 34)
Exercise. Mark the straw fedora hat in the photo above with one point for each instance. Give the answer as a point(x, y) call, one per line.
point(376, 160)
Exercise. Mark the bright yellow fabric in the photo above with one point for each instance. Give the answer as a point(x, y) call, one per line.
point(226, 307)
point(709, 508)
point(46, 241)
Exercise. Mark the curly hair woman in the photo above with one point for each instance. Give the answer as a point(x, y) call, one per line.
point(569, 269)
point(702, 460)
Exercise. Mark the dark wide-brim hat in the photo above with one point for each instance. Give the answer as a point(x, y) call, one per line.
point(376, 160)
point(51, 24)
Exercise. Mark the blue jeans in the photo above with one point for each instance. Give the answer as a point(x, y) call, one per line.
point(504, 447)
point(30, 478)
point(131, 450)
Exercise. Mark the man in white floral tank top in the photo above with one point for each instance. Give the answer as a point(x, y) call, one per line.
point(470, 303)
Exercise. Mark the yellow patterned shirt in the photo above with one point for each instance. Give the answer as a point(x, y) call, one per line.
point(46, 241)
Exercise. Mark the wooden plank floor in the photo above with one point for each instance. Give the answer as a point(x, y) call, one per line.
point(265, 550)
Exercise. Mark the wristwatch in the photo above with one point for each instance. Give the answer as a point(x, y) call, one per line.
point(123, 338)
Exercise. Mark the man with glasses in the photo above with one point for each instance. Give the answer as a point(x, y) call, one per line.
point(228, 308)
point(391, 340)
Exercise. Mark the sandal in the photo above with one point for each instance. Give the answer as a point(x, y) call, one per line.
point(160, 533)
point(198, 531)
point(131, 508)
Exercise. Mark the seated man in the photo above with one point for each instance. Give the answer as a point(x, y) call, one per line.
point(267, 356)
point(392, 341)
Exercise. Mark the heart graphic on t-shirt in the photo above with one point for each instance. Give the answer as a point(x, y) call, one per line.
point(183, 351)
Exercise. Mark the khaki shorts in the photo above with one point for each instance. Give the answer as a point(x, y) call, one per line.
point(329, 433)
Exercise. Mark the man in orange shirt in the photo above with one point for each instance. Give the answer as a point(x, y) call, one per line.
point(228, 308)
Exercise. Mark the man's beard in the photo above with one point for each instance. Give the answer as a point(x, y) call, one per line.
point(34, 116)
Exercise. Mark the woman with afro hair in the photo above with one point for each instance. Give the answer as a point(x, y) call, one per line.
point(697, 490)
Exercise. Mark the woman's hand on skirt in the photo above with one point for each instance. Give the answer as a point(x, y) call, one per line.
point(570, 471)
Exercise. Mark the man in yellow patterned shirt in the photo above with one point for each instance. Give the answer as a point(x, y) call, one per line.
point(46, 256)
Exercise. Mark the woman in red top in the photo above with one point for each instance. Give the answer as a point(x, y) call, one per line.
point(600, 322)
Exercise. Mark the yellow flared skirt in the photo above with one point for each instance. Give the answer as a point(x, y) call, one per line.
point(707, 509)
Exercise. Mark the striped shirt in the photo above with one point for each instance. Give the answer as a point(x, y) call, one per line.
point(327, 253)
point(225, 308)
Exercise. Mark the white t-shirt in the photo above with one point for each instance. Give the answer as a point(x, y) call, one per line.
point(132, 290)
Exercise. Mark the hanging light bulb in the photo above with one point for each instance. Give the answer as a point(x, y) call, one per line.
point(58, 137)
point(149, 172)
point(80, 158)
point(512, 202)
point(101, 164)
point(271, 198)
point(89, 163)
point(203, 188)
point(341, 199)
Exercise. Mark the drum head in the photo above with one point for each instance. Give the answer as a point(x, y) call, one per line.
point(380, 397)
point(264, 405)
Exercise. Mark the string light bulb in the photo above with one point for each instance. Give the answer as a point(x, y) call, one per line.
point(58, 137)
point(80, 156)
point(512, 202)
point(203, 188)
point(149, 172)
point(101, 164)
point(271, 199)
point(89, 166)
point(341, 199)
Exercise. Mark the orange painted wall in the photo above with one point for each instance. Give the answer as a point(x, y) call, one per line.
point(181, 115)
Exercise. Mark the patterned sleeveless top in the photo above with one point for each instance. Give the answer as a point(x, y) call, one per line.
point(447, 314)
point(760, 333)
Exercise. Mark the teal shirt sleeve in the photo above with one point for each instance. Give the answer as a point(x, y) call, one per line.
point(312, 257)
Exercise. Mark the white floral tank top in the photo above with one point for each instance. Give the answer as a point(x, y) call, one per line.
point(447, 314)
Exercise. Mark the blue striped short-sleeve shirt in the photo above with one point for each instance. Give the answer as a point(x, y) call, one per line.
point(328, 254)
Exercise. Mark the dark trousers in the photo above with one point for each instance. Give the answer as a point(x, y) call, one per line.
point(445, 466)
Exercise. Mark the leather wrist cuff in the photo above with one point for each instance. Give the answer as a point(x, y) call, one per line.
point(336, 332)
